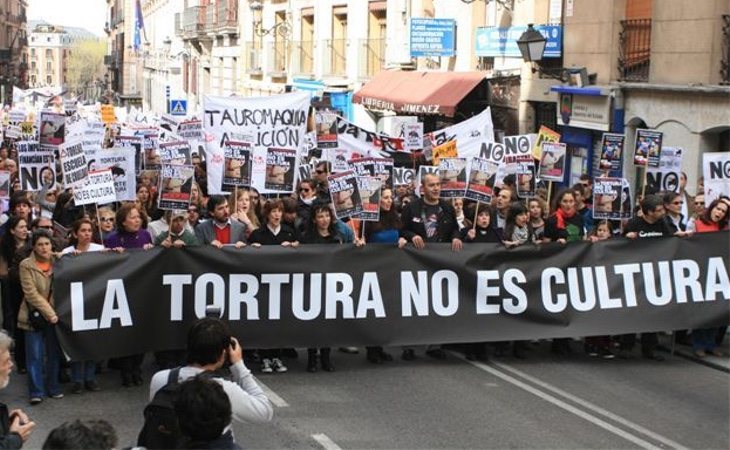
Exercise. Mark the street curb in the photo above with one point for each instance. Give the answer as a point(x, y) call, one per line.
point(693, 358)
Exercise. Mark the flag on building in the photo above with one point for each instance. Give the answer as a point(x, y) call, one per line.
point(138, 25)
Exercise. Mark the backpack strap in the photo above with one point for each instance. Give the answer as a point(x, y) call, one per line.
point(174, 375)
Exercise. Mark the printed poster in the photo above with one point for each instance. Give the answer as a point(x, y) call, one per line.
point(37, 166)
point(612, 150)
point(413, 136)
point(552, 161)
point(544, 135)
point(370, 189)
point(175, 185)
point(608, 198)
point(452, 173)
point(345, 194)
point(73, 163)
point(121, 162)
point(647, 148)
point(525, 178)
point(175, 152)
point(280, 166)
point(237, 164)
point(99, 189)
point(53, 128)
point(326, 128)
point(383, 169)
point(482, 176)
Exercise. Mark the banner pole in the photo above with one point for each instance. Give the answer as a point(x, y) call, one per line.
point(550, 193)
point(476, 214)
point(643, 184)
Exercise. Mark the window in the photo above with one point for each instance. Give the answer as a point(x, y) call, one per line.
point(49, 79)
point(49, 66)
point(32, 53)
point(49, 53)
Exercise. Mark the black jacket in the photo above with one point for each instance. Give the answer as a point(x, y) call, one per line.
point(7, 439)
point(413, 223)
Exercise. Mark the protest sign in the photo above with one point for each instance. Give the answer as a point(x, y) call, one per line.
point(121, 162)
point(52, 128)
point(278, 121)
point(403, 176)
point(370, 189)
point(363, 167)
point(482, 175)
point(338, 159)
point(345, 194)
point(385, 296)
point(237, 164)
point(137, 144)
point(525, 178)
point(612, 150)
point(716, 170)
point(28, 130)
point(383, 169)
point(73, 162)
point(13, 132)
point(326, 128)
point(607, 198)
point(647, 148)
point(4, 184)
point(280, 169)
point(99, 189)
point(452, 174)
point(108, 114)
point(445, 150)
point(552, 161)
point(413, 136)
point(666, 176)
point(190, 130)
point(305, 171)
point(544, 135)
point(16, 116)
point(37, 166)
point(175, 184)
point(175, 152)
point(150, 144)
point(93, 136)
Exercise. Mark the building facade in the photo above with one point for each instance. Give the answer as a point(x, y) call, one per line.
point(123, 60)
point(49, 49)
point(13, 47)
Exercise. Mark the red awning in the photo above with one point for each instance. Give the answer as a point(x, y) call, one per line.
point(409, 92)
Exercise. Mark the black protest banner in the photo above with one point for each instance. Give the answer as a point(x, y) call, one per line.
point(312, 296)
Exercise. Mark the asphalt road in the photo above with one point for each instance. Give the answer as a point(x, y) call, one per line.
point(543, 401)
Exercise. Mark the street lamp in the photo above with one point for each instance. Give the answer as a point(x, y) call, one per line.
point(281, 28)
point(532, 47)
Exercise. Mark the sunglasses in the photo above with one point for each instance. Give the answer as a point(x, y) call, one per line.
point(192, 210)
point(304, 189)
point(677, 203)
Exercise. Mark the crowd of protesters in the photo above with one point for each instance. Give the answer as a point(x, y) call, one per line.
point(38, 227)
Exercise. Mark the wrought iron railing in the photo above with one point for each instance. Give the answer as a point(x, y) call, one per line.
point(371, 57)
point(634, 50)
point(276, 57)
point(302, 57)
point(725, 61)
point(252, 53)
point(335, 57)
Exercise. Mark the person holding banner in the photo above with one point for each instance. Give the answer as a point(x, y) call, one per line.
point(244, 212)
point(673, 206)
point(274, 233)
point(42, 350)
point(14, 247)
point(537, 208)
point(502, 201)
point(83, 373)
point(428, 220)
point(130, 235)
point(220, 230)
point(564, 225)
point(178, 235)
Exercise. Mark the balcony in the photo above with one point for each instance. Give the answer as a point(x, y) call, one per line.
point(227, 17)
point(335, 57)
point(253, 58)
point(194, 22)
point(211, 19)
point(371, 57)
point(302, 57)
point(178, 25)
point(634, 50)
point(725, 62)
point(276, 56)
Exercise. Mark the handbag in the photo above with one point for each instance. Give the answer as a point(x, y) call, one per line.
point(36, 319)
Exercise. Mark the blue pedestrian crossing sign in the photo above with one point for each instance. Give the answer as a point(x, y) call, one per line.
point(178, 107)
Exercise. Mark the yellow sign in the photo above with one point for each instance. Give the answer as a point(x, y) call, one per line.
point(544, 135)
point(445, 150)
point(26, 127)
point(107, 114)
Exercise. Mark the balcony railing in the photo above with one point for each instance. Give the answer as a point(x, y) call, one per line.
point(211, 19)
point(253, 58)
point(178, 24)
point(302, 57)
point(634, 50)
point(227, 16)
point(276, 56)
point(371, 57)
point(725, 62)
point(335, 57)
point(194, 22)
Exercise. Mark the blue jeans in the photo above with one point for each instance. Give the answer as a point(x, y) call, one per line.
point(82, 371)
point(43, 357)
point(704, 339)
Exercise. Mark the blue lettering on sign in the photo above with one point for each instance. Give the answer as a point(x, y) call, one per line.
point(496, 42)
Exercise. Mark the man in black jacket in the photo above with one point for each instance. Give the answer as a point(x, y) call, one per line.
point(425, 220)
point(15, 426)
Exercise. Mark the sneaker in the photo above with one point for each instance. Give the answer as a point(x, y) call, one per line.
point(57, 396)
point(36, 401)
point(408, 354)
point(92, 386)
point(605, 353)
point(700, 353)
point(278, 366)
point(350, 350)
point(266, 366)
point(436, 353)
point(717, 352)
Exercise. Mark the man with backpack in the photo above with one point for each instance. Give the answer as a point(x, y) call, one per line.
point(209, 346)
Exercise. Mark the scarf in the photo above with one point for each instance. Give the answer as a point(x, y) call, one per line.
point(562, 216)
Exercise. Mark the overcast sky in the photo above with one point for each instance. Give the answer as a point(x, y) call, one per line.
point(89, 14)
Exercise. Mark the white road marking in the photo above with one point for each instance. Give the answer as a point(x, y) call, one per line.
point(594, 408)
point(276, 400)
point(326, 442)
point(561, 404)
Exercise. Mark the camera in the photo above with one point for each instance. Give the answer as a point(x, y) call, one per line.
point(213, 312)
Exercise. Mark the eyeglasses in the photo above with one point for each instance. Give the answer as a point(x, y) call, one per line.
point(107, 219)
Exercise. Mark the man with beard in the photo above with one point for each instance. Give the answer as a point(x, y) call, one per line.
point(220, 230)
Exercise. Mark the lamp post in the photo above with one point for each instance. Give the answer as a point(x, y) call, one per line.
point(532, 47)
point(281, 28)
